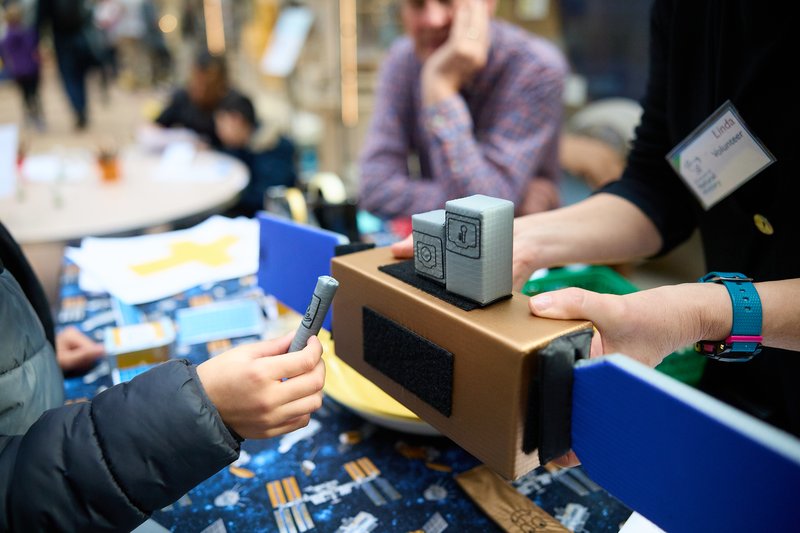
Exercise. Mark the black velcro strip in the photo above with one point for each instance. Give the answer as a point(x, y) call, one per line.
point(409, 359)
point(404, 271)
point(548, 422)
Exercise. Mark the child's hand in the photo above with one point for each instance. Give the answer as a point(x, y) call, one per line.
point(245, 385)
point(76, 351)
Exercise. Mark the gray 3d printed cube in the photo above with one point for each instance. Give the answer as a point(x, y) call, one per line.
point(478, 243)
point(428, 231)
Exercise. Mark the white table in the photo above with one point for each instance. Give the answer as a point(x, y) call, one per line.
point(44, 216)
point(141, 198)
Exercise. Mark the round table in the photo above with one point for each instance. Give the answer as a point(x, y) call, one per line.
point(151, 191)
point(142, 197)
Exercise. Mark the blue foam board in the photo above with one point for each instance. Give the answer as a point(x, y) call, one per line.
point(681, 458)
point(291, 258)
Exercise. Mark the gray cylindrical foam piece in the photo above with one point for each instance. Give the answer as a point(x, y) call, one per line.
point(316, 311)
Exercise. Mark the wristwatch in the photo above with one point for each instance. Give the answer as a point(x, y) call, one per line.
point(745, 339)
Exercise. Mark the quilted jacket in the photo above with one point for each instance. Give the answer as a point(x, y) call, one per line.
point(100, 465)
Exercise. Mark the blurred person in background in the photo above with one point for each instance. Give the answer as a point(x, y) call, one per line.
point(71, 24)
point(106, 15)
point(127, 36)
point(20, 55)
point(156, 45)
point(269, 157)
point(465, 105)
point(193, 107)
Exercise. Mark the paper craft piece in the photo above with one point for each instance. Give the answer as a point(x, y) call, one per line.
point(9, 137)
point(152, 267)
point(138, 344)
point(221, 320)
point(292, 257)
point(86, 281)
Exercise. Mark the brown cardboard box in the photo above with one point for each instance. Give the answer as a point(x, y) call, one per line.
point(494, 354)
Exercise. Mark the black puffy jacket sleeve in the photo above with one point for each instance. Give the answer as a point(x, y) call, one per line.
point(106, 465)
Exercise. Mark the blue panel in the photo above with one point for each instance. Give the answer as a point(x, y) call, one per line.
point(682, 459)
point(291, 258)
point(229, 319)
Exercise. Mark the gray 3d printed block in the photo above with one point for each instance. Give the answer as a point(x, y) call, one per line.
point(478, 244)
point(428, 231)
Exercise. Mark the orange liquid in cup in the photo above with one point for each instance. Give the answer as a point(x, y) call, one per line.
point(109, 169)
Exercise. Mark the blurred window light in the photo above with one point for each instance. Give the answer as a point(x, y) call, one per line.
point(215, 32)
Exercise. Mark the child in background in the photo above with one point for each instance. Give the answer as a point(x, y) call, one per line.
point(19, 51)
point(269, 157)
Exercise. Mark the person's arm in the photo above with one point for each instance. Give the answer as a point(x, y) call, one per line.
point(649, 325)
point(463, 54)
point(107, 464)
point(604, 228)
point(513, 142)
point(383, 165)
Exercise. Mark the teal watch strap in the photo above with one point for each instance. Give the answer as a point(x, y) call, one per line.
point(745, 338)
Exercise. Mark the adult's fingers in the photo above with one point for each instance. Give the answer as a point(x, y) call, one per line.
point(403, 249)
point(572, 303)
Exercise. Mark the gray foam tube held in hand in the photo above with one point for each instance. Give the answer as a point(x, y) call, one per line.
point(315, 313)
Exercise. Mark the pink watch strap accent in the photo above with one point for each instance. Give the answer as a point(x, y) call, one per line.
point(744, 338)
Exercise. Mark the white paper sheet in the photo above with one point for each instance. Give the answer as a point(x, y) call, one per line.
point(66, 166)
point(152, 267)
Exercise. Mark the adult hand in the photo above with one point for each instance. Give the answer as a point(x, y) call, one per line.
point(464, 53)
point(646, 325)
point(404, 249)
point(247, 387)
point(76, 351)
point(525, 259)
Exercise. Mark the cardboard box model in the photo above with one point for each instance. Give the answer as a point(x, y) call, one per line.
point(475, 375)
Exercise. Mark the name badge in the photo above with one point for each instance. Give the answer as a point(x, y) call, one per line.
point(719, 156)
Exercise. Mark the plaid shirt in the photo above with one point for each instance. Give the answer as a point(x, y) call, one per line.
point(498, 133)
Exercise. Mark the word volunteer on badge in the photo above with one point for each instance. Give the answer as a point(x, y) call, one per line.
point(719, 156)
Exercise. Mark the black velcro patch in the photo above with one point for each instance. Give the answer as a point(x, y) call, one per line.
point(409, 359)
